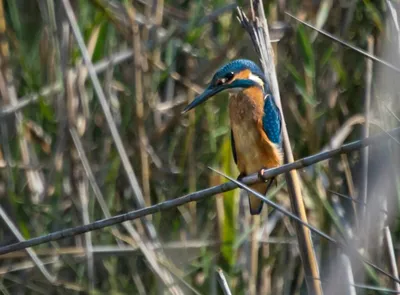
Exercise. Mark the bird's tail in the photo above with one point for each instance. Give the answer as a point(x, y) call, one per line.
point(256, 203)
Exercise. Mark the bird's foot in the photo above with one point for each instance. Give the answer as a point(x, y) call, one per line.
point(260, 174)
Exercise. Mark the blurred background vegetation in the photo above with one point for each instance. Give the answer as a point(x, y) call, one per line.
point(152, 57)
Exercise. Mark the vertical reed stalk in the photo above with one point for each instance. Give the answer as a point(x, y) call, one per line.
point(258, 31)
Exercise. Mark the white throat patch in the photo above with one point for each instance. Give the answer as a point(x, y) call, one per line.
point(252, 77)
point(256, 79)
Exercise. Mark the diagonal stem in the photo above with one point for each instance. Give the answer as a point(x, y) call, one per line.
point(167, 278)
point(196, 196)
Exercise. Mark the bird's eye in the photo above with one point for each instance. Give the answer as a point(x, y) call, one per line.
point(220, 81)
point(229, 76)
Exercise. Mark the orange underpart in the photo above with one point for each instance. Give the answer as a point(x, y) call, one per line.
point(254, 150)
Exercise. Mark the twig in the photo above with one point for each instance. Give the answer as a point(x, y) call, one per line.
point(194, 197)
point(277, 207)
point(342, 245)
point(178, 246)
point(35, 259)
point(344, 131)
point(29, 99)
point(392, 113)
point(366, 54)
point(354, 200)
point(223, 283)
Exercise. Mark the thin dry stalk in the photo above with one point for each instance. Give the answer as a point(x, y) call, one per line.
point(110, 121)
point(343, 245)
point(364, 152)
point(223, 283)
point(164, 275)
point(348, 174)
point(255, 221)
point(82, 187)
point(109, 250)
point(364, 218)
point(356, 49)
point(147, 252)
point(120, 218)
point(192, 162)
point(61, 101)
point(27, 264)
point(139, 283)
point(199, 195)
point(392, 256)
point(258, 30)
point(35, 259)
point(89, 174)
point(29, 99)
point(8, 91)
point(351, 290)
point(67, 107)
point(139, 95)
point(103, 101)
point(99, 67)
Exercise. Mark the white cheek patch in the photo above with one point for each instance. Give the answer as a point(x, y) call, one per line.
point(252, 77)
point(256, 79)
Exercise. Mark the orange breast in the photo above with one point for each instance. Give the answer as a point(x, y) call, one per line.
point(253, 148)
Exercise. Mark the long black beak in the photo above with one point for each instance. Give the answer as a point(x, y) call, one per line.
point(207, 94)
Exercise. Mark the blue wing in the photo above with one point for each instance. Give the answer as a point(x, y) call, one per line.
point(272, 122)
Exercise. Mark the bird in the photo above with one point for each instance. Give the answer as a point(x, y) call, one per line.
point(255, 121)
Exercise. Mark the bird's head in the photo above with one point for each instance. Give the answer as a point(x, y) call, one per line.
point(233, 77)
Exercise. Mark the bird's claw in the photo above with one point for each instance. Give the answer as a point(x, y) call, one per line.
point(260, 174)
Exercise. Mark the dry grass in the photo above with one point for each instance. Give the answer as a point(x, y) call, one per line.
point(90, 128)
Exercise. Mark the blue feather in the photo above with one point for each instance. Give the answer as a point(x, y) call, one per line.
point(272, 117)
point(239, 65)
point(272, 120)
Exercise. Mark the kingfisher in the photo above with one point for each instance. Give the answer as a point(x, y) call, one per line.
point(254, 118)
